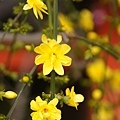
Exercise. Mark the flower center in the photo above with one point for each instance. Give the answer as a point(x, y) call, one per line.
point(45, 110)
point(53, 57)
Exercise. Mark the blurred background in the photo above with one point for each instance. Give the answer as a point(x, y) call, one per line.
point(94, 72)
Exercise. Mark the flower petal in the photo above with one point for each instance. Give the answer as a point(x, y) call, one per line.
point(36, 116)
point(47, 67)
point(44, 39)
point(40, 14)
point(27, 7)
point(58, 67)
point(63, 49)
point(67, 91)
point(56, 115)
point(38, 99)
point(34, 106)
point(59, 38)
point(44, 11)
point(54, 102)
point(65, 60)
point(42, 49)
point(78, 98)
point(30, 2)
point(40, 59)
point(35, 11)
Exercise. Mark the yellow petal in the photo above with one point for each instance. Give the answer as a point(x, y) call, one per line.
point(59, 38)
point(35, 12)
point(54, 102)
point(36, 116)
point(72, 89)
point(52, 43)
point(63, 49)
point(78, 98)
point(40, 59)
point(56, 115)
point(27, 7)
point(58, 67)
point(44, 11)
point(65, 60)
point(40, 14)
point(67, 91)
point(38, 99)
point(42, 49)
point(44, 39)
point(47, 67)
point(30, 2)
point(34, 105)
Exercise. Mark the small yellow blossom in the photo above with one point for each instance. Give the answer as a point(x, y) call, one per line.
point(109, 73)
point(115, 80)
point(67, 25)
point(118, 3)
point(104, 39)
point(25, 79)
point(38, 7)
point(118, 29)
point(52, 55)
point(96, 70)
point(97, 94)
point(105, 112)
point(29, 48)
point(74, 98)
point(94, 50)
point(86, 20)
point(92, 35)
point(45, 111)
point(10, 95)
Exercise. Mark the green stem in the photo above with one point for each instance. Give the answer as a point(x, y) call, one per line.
point(50, 16)
point(11, 51)
point(15, 19)
point(52, 84)
point(55, 25)
point(55, 18)
point(19, 94)
point(108, 49)
point(15, 103)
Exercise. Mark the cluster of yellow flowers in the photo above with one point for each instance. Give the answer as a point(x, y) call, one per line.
point(53, 56)
point(43, 110)
point(96, 70)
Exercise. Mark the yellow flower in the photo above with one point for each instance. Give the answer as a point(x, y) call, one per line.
point(118, 29)
point(105, 112)
point(74, 98)
point(118, 3)
point(96, 70)
point(115, 80)
point(38, 7)
point(97, 94)
point(10, 95)
point(67, 25)
point(45, 111)
point(92, 36)
point(52, 55)
point(25, 79)
point(86, 20)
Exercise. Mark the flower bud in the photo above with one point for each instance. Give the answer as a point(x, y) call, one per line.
point(10, 95)
point(97, 94)
point(29, 48)
point(25, 79)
